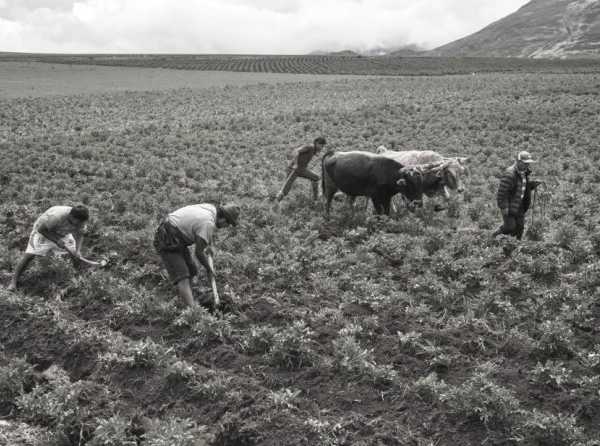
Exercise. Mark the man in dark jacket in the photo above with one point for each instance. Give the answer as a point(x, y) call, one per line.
point(298, 167)
point(514, 195)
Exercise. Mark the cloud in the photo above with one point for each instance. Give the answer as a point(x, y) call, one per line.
point(239, 26)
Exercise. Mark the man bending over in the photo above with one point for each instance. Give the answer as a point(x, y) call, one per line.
point(191, 225)
point(58, 231)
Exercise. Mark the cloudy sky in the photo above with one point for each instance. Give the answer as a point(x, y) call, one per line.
point(239, 26)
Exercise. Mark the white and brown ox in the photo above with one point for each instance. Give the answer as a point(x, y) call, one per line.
point(439, 175)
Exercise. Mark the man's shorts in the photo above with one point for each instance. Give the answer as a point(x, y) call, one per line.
point(41, 246)
point(179, 264)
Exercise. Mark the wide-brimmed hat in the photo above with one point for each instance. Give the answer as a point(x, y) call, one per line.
point(231, 212)
point(525, 157)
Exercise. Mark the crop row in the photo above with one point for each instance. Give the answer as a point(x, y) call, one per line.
point(324, 64)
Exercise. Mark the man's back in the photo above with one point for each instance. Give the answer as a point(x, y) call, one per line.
point(55, 219)
point(302, 156)
point(196, 220)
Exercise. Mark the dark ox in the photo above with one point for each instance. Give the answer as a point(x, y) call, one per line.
point(439, 174)
point(363, 174)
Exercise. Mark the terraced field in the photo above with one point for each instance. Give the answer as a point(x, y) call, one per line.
point(418, 329)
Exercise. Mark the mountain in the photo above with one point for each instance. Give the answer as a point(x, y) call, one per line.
point(404, 51)
point(539, 29)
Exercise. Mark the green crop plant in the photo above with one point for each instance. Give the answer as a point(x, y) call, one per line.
point(175, 431)
point(113, 431)
point(350, 357)
point(16, 376)
point(205, 327)
point(292, 347)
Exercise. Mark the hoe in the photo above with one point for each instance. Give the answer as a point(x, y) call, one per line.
point(213, 281)
point(102, 263)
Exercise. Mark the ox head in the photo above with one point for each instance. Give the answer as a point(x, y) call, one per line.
point(451, 172)
point(410, 183)
point(381, 149)
point(444, 176)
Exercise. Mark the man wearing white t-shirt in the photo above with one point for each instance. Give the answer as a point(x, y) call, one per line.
point(190, 225)
point(58, 231)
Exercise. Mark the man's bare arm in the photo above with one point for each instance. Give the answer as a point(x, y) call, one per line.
point(304, 149)
point(50, 235)
point(78, 235)
point(47, 232)
point(202, 249)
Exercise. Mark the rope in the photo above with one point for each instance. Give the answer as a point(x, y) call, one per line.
point(543, 202)
point(531, 223)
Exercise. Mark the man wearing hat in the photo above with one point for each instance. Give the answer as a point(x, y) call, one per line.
point(191, 225)
point(298, 167)
point(514, 195)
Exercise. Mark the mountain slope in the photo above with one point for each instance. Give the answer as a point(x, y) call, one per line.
point(541, 28)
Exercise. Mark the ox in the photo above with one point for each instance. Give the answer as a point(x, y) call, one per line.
point(363, 174)
point(439, 174)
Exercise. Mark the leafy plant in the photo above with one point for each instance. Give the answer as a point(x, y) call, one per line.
point(481, 398)
point(143, 354)
point(551, 373)
point(292, 347)
point(555, 339)
point(541, 428)
point(59, 405)
point(15, 377)
point(351, 358)
point(259, 339)
point(113, 431)
point(213, 387)
point(175, 431)
point(204, 326)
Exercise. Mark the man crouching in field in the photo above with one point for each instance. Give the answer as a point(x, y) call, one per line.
point(514, 195)
point(57, 231)
point(189, 225)
point(299, 167)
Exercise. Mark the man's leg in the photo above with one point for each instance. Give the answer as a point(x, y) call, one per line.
point(191, 263)
point(184, 289)
point(315, 190)
point(314, 178)
point(287, 186)
point(508, 226)
point(179, 273)
point(519, 225)
point(19, 270)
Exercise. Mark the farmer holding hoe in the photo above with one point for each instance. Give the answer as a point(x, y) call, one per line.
point(192, 225)
point(298, 167)
point(58, 231)
point(514, 195)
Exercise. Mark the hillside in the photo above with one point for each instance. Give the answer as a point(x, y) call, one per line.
point(540, 29)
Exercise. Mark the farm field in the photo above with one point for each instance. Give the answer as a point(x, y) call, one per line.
point(34, 79)
point(318, 64)
point(418, 329)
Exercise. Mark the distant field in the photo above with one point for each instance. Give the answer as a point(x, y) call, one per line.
point(31, 79)
point(317, 64)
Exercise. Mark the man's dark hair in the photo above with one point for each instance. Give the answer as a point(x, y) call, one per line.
point(81, 213)
point(229, 212)
point(320, 140)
